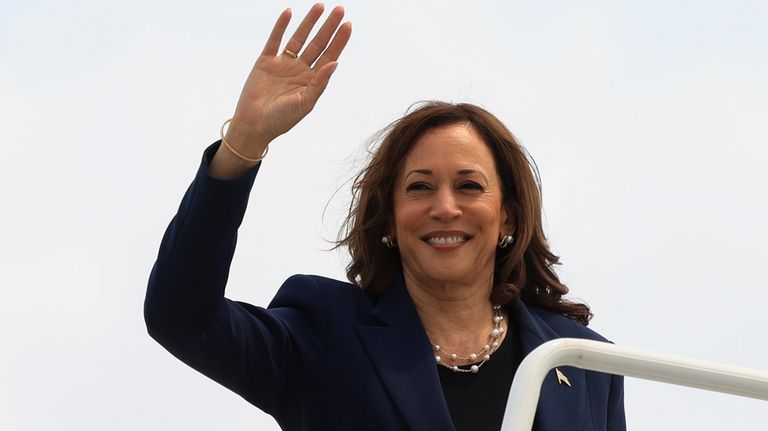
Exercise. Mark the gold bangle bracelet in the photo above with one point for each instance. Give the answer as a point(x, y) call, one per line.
point(237, 153)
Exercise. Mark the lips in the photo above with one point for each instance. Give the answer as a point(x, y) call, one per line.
point(446, 238)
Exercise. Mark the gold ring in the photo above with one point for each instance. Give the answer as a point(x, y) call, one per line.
point(290, 53)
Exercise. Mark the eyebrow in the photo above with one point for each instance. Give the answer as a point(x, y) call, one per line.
point(460, 172)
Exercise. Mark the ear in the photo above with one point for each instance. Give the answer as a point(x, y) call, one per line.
point(508, 220)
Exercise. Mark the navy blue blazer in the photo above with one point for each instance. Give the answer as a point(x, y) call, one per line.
point(323, 355)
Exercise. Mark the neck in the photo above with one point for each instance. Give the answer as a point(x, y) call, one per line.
point(455, 315)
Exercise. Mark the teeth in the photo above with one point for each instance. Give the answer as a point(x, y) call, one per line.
point(446, 240)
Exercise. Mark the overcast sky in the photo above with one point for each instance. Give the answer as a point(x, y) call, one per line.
point(646, 118)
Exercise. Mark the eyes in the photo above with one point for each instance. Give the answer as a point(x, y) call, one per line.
point(471, 186)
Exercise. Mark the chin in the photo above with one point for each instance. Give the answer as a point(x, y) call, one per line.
point(454, 275)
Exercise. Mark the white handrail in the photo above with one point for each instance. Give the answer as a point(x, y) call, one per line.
point(627, 361)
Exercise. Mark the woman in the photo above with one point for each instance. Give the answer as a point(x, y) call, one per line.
point(451, 274)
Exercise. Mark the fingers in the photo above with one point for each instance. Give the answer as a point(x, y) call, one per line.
point(336, 47)
point(320, 41)
point(273, 43)
point(320, 81)
point(302, 32)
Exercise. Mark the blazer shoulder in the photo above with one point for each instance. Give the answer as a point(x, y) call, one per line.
point(317, 296)
point(565, 326)
point(307, 286)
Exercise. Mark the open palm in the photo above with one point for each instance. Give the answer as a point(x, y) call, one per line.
point(282, 88)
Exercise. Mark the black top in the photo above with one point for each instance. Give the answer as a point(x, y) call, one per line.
point(477, 401)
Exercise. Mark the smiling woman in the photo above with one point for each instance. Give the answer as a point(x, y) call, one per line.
point(488, 163)
point(448, 213)
point(451, 275)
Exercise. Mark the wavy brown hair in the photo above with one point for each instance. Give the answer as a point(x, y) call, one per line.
point(522, 270)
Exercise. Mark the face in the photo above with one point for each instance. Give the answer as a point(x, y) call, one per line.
point(448, 208)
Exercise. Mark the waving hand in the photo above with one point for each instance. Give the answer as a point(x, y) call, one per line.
point(284, 86)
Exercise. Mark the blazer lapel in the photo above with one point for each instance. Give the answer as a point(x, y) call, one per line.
point(561, 407)
point(400, 351)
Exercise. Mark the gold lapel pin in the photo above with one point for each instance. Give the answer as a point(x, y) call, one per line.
point(561, 378)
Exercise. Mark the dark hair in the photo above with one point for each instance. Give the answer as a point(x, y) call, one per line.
point(522, 270)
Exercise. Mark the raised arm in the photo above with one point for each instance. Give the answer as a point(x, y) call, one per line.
point(245, 348)
point(283, 87)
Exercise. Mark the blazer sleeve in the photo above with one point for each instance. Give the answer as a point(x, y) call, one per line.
point(250, 350)
point(616, 417)
point(613, 406)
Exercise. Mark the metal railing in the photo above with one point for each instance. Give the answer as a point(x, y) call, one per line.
point(627, 361)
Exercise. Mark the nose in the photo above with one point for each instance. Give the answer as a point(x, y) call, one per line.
point(444, 207)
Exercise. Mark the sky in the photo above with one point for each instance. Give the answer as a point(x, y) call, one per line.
point(646, 119)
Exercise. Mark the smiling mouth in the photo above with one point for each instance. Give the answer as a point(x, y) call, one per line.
point(447, 240)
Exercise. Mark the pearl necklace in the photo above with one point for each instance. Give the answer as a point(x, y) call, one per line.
point(485, 352)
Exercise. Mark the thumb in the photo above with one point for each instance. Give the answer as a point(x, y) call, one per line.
point(320, 81)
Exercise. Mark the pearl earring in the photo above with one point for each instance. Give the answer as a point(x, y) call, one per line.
point(388, 241)
point(506, 241)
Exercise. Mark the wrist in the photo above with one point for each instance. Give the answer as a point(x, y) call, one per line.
point(245, 139)
point(233, 157)
point(225, 165)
